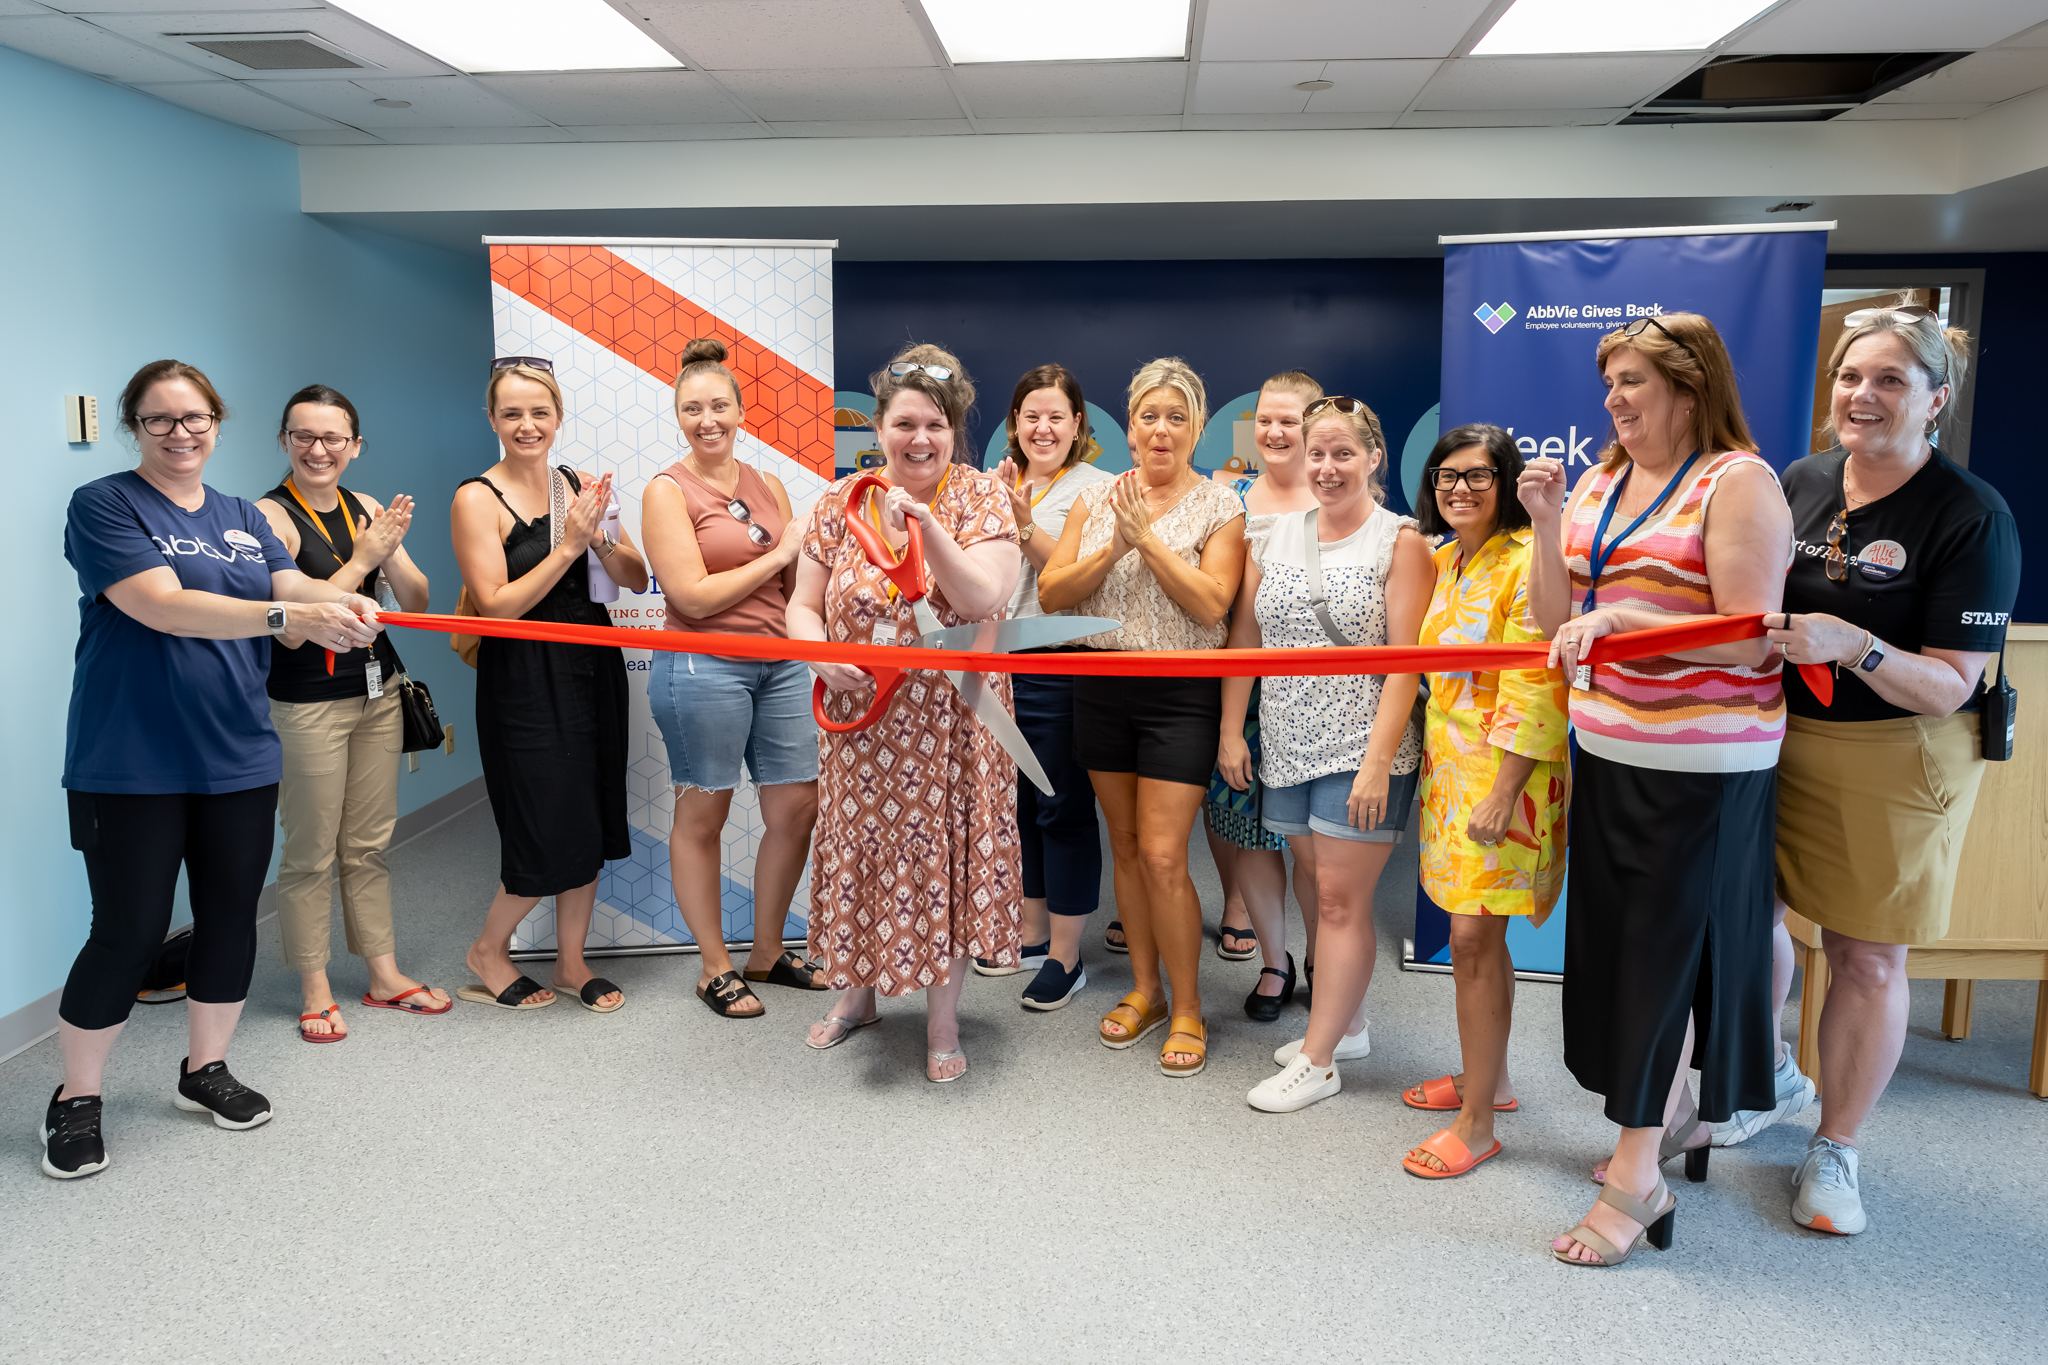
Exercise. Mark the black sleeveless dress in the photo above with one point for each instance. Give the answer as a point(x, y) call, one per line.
point(551, 731)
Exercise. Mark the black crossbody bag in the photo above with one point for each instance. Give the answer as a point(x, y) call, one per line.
point(1999, 714)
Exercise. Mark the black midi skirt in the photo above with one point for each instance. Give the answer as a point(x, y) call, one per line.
point(1669, 918)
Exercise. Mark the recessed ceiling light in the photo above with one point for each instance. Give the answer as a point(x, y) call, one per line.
point(1544, 26)
point(1313, 85)
point(1061, 30)
point(516, 35)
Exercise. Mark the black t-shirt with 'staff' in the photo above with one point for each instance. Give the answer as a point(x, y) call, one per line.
point(1935, 564)
point(300, 675)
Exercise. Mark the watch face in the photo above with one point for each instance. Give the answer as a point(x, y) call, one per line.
point(277, 618)
point(1872, 660)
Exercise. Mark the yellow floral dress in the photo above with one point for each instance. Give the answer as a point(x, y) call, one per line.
point(1471, 718)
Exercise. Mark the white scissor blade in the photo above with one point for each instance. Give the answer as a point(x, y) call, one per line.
point(988, 708)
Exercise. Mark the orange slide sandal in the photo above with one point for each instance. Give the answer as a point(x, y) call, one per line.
point(1455, 1155)
point(1442, 1093)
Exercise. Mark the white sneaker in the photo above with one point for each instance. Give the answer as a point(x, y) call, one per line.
point(1350, 1048)
point(1297, 1087)
point(1795, 1092)
point(1827, 1200)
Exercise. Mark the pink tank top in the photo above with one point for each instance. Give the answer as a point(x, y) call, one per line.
point(1665, 712)
point(723, 541)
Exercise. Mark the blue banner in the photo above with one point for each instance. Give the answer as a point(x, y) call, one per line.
point(1522, 321)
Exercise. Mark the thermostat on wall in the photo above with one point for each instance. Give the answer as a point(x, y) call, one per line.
point(81, 417)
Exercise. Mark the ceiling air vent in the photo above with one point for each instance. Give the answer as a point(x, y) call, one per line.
point(275, 51)
point(1795, 88)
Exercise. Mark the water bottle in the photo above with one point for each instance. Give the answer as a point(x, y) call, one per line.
point(602, 589)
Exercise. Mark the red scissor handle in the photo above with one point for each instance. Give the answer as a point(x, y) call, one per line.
point(887, 680)
point(908, 572)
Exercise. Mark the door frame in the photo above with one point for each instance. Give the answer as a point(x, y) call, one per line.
point(1966, 307)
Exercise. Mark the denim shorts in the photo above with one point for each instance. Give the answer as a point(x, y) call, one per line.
point(1322, 805)
point(715, 712)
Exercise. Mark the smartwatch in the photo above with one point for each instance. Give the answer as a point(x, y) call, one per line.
point(275, 618)
point(1873, 657)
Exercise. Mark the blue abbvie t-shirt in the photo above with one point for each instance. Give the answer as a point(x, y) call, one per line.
point(153, 713)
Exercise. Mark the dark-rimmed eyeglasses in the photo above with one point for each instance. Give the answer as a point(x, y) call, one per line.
point(1348, 406)
point(531, 362)
point(1645, 322)
point(196, 423)
point(305, 440)
point(1478, 480)
point(902, 367)
point(755, 531)
point(1909, 312)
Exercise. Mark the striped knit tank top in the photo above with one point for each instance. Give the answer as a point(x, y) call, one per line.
point(1664, 712)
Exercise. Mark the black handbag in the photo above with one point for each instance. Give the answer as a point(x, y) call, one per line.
point(422, 723)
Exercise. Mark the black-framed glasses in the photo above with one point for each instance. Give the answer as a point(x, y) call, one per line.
point(306, 440)
point(902, 367)
point(1478, 480)
point(1910, 312)
point(755, 531)
point(196, 423)
point(1645, 322)
point(531, 362)
point(1338, 401)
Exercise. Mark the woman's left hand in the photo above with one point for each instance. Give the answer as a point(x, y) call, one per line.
point(1489, 819)
point(1568, 647)
point(1815, 637)
point(1008, 475)
point(1133, 517)
point(377, 538)
point(1368, 803)
point(364, 607)
point(898, 506)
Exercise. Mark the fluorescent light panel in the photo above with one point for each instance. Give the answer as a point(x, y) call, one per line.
point(1549, 26)
point(1060, 30)
point(516, 35)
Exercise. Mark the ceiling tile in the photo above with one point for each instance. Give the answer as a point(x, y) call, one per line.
point(436, 101)
point(1371, 87)
point(1889, 25)
point(1319, 30)
point(1892, 112)
point(2036, 36)
point(345, 31)
point(333, 135)
point(10, 8)
point(1507, 118)
point(1268, 122)
point(767, 35)
point(667, 132)
point(622, 97)
point(78, 44)
point(471, 135)
point(1073, 89)
point(237, 103)
point(154, 6)
point(931, 127)
point(809, 95)
point(1986, 77)
point(1143, 123)
point(1551, 82)
point(1252, 87)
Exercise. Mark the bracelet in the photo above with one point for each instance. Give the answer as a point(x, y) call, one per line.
point(1869, 643)
point(606, 546)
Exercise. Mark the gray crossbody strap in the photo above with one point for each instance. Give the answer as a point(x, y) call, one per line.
point(1312, 561)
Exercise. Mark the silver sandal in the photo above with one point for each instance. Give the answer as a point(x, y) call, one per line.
point(942, 1057)
point(846, 1029)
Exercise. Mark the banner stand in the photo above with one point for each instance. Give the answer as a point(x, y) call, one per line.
point(670, 949)
point(1409, 964)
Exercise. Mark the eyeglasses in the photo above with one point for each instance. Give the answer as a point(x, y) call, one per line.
point(1641, 324)
point(1338, 401)
point(1910, 312)
point(1838, 558)
point(755, 531)
point(1478, 480)
point(531, 362)
point(197, 423)
point(304, 440)
point(902, 367)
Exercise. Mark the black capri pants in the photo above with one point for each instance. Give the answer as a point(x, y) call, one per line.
point(133, 847)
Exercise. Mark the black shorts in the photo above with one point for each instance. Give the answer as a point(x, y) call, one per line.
point(1161, 728)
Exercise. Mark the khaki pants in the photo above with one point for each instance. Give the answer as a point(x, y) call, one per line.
point(338, 803)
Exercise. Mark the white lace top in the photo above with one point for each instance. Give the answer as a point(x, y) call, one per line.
point(1129, 593)
point(1312, 727)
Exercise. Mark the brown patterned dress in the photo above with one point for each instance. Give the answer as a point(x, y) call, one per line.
point(915, 860)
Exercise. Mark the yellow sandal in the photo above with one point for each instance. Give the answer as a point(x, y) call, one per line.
point(1136, 1015)
point(1200, 1034)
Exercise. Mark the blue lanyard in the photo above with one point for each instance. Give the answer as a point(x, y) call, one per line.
point(1597, 560)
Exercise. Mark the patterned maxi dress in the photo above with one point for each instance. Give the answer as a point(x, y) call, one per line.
point(1472, 717)
point(915, 861)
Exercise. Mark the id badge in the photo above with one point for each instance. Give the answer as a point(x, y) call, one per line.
point(1582, 679)
point(373, 674)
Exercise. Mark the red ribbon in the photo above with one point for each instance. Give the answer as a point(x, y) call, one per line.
point(1195, 663)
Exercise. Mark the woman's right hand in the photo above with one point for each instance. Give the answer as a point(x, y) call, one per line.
point(584, 521)
point(330, 625)
point(377, 538)
point(1543, 489)
point(1234, 761)
point(841, 677)
point(1007, 474)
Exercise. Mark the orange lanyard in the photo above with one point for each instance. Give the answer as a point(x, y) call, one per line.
point(874, 516)
point(1039, 496)
point(311, 515)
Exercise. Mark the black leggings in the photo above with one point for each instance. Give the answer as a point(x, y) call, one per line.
point(133, 846)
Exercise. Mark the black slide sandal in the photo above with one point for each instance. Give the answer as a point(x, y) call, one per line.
point(724, 991)
point(594, 990)
point(793, 971)
point(1115, 926)
point(517, 996)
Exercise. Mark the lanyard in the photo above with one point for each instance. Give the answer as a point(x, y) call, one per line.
point(1597, 559)
point(874, 515)
point(1039, 496)
point(314, 517)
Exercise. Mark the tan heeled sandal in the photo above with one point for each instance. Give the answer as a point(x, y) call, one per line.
point(1656, 1215)
point(1199, 1034)
point(1135, 1015)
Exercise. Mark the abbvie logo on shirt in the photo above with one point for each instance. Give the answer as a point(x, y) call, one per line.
point(245, 546)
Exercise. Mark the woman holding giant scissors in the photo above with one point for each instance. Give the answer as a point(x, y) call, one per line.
point(914, 865)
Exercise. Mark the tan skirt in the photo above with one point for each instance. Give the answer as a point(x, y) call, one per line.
point(1871, 820)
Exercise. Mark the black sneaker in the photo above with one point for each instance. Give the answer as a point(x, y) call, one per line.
point(212, 1090)
point(1054, 985)
point(71, 1137)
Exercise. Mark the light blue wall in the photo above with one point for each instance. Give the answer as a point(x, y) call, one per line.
point(139, 230)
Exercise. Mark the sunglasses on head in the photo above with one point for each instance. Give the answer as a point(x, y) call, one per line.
point(903, 367)
point(532, 362)
point(755, 531)
point(1908, 312)
point(1644, 323)
point(1348, 406)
